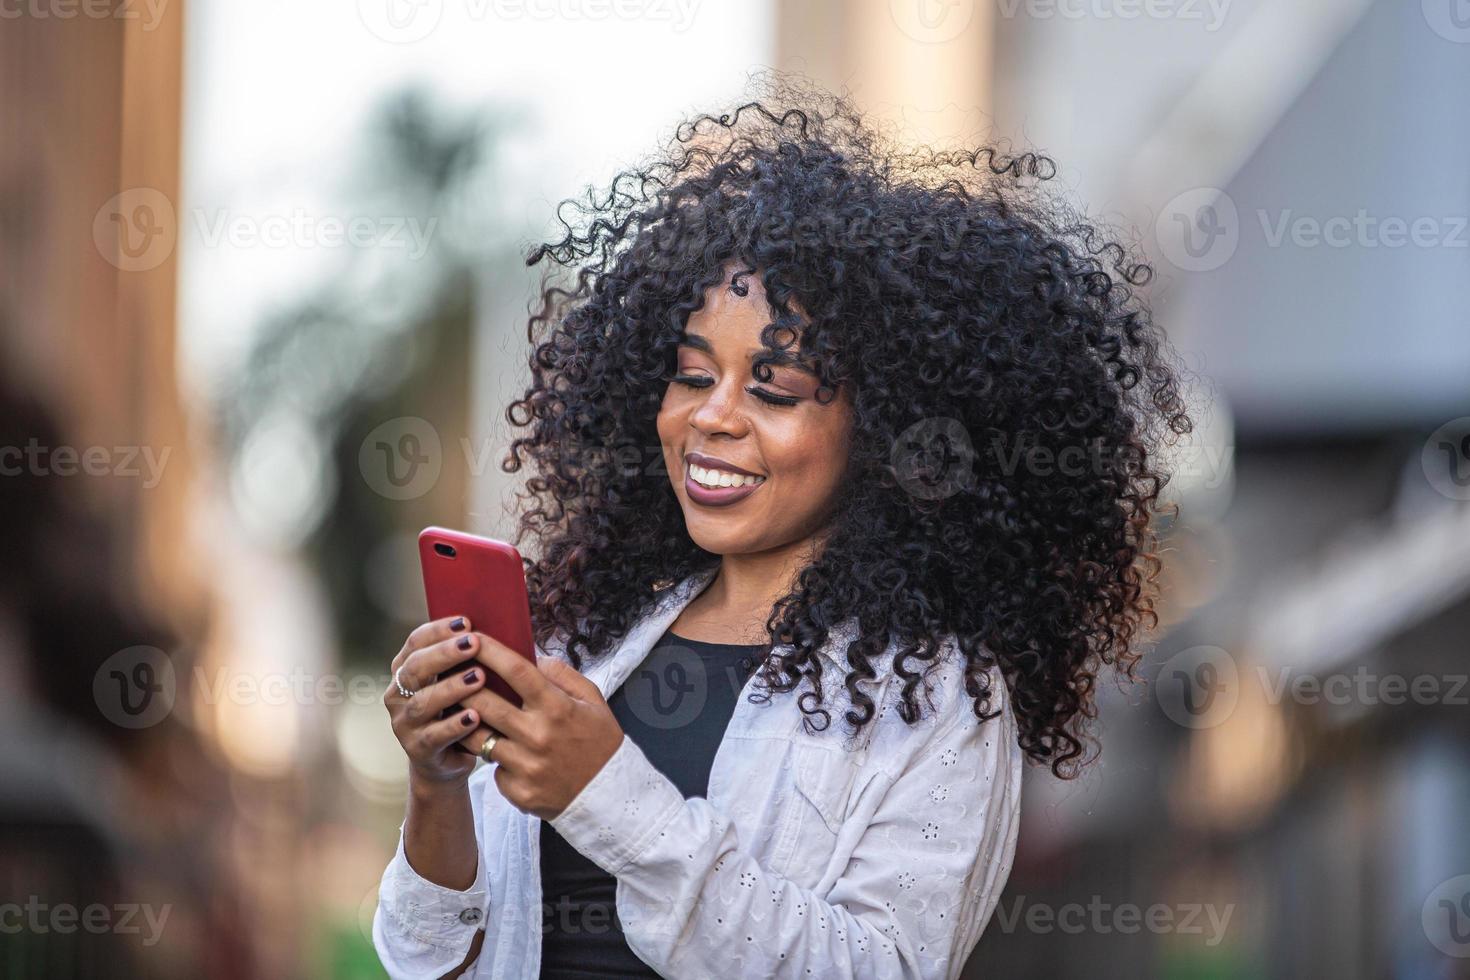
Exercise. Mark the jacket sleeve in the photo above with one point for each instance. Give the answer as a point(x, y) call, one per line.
point(422, 929)
point(923, 880)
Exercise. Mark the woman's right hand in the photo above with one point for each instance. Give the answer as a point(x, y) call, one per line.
point(430, 742)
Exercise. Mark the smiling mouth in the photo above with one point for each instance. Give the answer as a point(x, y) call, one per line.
point(712, 479)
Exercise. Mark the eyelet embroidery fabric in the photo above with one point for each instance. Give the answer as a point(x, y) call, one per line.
point(812, 859)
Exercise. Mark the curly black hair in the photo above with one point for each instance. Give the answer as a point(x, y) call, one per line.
point(971, 314)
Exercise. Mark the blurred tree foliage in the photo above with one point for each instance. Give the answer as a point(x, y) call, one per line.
point(387, 335)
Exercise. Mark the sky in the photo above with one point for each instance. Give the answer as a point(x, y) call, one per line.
point(275, 93)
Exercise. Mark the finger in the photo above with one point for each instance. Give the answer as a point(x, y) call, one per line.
point(428, 634)
point(569, 679)
point(425, 706)
point(515, 670)
point(506, 752)
point(497, 712)
point(423, 666)
point(439, 735)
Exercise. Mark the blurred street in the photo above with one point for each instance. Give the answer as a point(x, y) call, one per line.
point(264, 301)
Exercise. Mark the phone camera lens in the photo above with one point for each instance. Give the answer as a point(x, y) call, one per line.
point(444, 549)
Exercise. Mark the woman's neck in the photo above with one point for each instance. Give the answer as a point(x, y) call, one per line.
point(734, 606)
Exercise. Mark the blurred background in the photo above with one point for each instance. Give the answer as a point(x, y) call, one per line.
point(263, 305)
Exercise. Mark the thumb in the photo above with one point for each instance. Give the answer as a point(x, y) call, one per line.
point(569, 679)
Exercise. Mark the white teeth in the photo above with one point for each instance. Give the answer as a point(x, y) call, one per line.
point(714, 479)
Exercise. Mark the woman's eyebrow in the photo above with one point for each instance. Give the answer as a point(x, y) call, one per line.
point(779, 358)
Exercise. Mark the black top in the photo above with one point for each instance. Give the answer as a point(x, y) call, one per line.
point(675, 707)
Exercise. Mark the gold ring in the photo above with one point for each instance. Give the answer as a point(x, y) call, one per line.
point(488, 747)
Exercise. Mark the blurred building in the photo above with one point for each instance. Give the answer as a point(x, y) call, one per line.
point(98, 817)
point(1267, 806)
point(1320, 566)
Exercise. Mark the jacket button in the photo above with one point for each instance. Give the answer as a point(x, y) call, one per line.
point(470, 916)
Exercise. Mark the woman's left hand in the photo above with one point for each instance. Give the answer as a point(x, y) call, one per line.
point(551, 746)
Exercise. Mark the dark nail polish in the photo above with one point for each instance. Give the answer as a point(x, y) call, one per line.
point(457, 624)
point(464, 643)
point(467, 719)
point(471, 677)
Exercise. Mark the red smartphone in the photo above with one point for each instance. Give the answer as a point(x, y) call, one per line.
point(466, 575)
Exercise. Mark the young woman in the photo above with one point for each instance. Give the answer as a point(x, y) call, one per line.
point(845, 471)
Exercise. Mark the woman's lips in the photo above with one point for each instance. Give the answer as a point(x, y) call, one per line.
point(717, 498)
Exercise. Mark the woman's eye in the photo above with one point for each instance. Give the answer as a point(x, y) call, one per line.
point(769, 397)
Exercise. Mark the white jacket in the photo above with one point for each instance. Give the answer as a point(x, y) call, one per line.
point(809, 858)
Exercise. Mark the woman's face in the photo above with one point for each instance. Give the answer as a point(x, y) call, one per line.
point(798, 450)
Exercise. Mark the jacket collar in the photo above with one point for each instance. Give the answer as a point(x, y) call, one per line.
point(671, 601)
